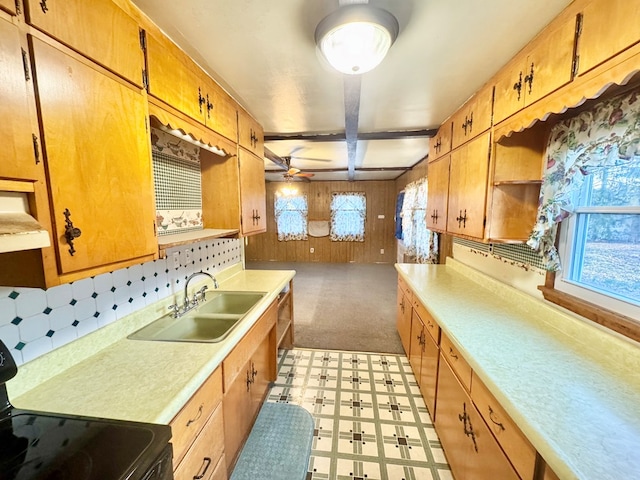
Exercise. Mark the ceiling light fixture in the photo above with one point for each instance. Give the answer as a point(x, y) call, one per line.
point(355, 38)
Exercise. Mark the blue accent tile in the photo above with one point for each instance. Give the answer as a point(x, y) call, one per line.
point(157, 289)
point(143, 278)
point(75, 323)
point(128, 283)
point(16, 321)
point(20, 345)
point(96, 315)
point(73, 301)
point(155, 274)
point(50, 333)
point(113, 289)
point(94, 294)
point(47, 311)
point(13, 295)
point(144, 294)
point(115, 307)
point(130, 300)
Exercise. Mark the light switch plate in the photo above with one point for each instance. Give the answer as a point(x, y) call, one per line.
point(187, 256)
point(176, 260)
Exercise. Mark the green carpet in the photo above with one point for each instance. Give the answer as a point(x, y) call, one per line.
point(279, 445)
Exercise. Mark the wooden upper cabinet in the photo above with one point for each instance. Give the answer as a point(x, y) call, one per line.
point(8, 6)
point(468, 187)
point(174, 78)
point(437, 195)
point(473, 118)
point(99, 29)
point(608, 27)
point(178, 81)
point(252, 193)
point(440, 144)
point(99, 166)
point(250, 134)
point(545, 66)
point(17, 156)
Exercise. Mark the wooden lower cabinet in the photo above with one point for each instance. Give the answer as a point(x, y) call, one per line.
point(197, 429)
point(403, 319)
point(206, 455)
point(470, 448)
point(246, 387)
point(424, 361)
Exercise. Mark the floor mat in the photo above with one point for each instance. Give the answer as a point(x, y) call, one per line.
point(279, 445)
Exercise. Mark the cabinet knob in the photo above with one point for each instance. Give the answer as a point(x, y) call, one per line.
point(70, 232)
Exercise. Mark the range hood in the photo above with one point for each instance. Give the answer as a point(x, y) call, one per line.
point(18, 229)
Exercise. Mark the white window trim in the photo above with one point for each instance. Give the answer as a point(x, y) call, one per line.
point(566, 247)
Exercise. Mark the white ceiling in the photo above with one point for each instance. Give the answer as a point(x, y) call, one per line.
point(263, 53)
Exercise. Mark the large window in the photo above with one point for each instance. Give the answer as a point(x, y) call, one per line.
point(291, 216)
point(600, 243)
point(348, 215)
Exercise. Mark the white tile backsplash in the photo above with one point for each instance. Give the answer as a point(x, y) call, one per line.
point(34, 321)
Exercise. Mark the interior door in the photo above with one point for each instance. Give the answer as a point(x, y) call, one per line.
point(97, 154)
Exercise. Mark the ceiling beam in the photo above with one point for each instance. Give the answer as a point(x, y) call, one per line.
point(338, 137)
point(352, 87)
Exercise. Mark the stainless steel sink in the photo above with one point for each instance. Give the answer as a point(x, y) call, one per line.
point(210, 322)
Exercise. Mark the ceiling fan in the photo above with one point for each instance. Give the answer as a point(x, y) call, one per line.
point(294, 172)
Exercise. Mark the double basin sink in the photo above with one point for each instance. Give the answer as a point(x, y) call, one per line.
point(211, 321)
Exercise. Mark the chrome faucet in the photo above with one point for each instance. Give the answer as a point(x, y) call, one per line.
point(197, 297)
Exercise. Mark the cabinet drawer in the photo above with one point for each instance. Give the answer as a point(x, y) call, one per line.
point(511, 439)
point(203, 458)
point(430, 324)
point(237, 359)
point(457, 362)
point(402, 284)
point(189, 421)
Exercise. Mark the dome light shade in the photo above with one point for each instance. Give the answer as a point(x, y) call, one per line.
point(355, 38)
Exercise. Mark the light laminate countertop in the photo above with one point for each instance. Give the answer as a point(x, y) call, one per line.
point(147, 381)
point(572, 388)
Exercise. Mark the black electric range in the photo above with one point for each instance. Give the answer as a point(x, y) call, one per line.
point(42, 445)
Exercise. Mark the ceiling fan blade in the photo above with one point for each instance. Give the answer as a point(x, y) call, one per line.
point(309, 159)
point(293, 171)
point(304, 174)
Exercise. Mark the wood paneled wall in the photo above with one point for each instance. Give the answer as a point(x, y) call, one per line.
point(379, 232)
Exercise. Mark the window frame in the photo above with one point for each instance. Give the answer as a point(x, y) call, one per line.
point(305, 218)
point(363, 215)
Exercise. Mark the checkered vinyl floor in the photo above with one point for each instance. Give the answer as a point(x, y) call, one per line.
point(370, 419)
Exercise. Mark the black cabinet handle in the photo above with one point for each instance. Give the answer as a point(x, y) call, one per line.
point(70, 232)
point(491, 417)
point(198, 415)
point(206, 461)
point(518, 85)
point(529, 78)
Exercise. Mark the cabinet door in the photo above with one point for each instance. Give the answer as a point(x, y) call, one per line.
point(97, 151)
point(250, 134)
point(261, 364)
point(549, 64)
point(17, 158)
point(220, 110)
point(175, 79)
point(429, 374)
point(252, 193)
point(470, 448)
point(238, 414)
point(608, 27)
point(403, 320)
point(473, 118)
point(438, 193)
point(8, 6)
point(98, 29)
point(468, 187)
point(441, 143)
point(509, 94)
point(415, 350)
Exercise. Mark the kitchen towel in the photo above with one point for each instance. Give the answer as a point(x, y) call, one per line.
point(319, 228)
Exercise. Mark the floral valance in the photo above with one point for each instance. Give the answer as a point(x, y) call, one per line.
point(607, 135)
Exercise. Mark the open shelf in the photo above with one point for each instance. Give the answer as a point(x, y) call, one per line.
point(284, 327)
point(178, 239)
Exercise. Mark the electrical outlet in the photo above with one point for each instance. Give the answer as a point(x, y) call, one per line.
point(381, 217)
point(176, 260)
point(187, 256)
point(312, 250)
point(382, 251)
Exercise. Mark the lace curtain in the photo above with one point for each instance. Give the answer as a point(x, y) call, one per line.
point(417, 239)
point(291, 217)
point(348, 214)
point(605, 136)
